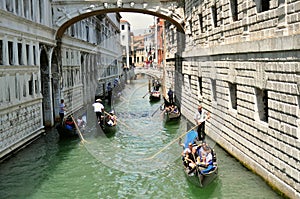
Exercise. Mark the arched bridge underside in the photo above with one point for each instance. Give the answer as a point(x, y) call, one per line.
point(66, 13)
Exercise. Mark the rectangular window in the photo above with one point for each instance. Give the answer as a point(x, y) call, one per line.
point(214, 89)
point(30, 86)
point(1, 53)
point(200, 86)
point(36, 86)
point(87, 33)
point(234, 9)
point(214, 15)
point(262, 104)
point(27, 53)
point(24, 90)
point(233, 95)
point(200, 23)
point(20, 54)
point(10, 52)
point(123, 27)
point(265, 6)
point(34, 56)
point(190, 82)
point(262, 5)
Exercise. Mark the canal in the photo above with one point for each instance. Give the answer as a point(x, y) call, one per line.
point(129, 163)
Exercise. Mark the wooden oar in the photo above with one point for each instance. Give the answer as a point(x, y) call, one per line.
point(153, 156)
point(156, 110)
point(79, 132)
point(197, 169)
point(145, 94)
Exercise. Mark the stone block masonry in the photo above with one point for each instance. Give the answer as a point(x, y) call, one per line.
point(247, 59)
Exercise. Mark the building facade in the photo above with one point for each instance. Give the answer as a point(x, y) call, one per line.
point(138, 50)
point(37, 71)
point(241, 62)
point(126, 42)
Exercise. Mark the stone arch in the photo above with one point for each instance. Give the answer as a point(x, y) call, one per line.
point(67, 18)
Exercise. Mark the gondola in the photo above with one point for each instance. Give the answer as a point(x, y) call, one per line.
point(68, 128)
point(154, 93)
point(171, 115)
point(110, 124)
point(199, 175)
point(66, 131)
point(171, 111)
point(154, 96)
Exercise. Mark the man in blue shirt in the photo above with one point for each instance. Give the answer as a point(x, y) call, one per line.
point(170, 94)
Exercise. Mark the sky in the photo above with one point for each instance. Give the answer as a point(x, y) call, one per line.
point(139, 22)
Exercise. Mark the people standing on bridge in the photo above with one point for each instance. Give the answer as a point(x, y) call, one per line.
point(200, 117)
point(170, 94)
point(62, 109)
point(99, 109)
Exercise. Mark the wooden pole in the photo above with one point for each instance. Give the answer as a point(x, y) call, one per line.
point(79, 132)
point(153, 156)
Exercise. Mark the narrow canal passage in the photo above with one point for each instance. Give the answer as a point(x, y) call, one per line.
point(126, 164)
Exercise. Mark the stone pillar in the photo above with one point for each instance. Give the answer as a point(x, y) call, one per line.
point(37, 53)
point(24, 54)
point(5, 55)
point(21, 5)
point(3, 4)
point(33, 11)
point(41, 11)
point(14, 6)
point(29, 9)
point(15, 52)
point(48, 112)
point(37, 12)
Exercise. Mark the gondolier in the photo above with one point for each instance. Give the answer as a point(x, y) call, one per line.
point(200, 117)
point(99, 109)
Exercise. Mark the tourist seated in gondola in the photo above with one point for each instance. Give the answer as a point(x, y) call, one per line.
point(191, 160)
point(174, 109)
point(206, 160)
point(70, 125)
point(111, 119)
point(186, 154)
point(81, 122)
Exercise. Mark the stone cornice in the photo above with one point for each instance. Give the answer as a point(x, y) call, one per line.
point(284, 43)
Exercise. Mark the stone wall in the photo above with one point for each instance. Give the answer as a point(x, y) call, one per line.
point(243, 66)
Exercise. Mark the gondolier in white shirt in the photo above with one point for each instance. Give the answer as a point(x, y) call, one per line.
point(99, 109)
point(200, 117)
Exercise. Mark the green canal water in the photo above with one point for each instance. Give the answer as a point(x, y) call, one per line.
point(132, 162)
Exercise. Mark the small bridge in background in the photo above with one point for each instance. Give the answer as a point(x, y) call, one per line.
point(155, 73)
